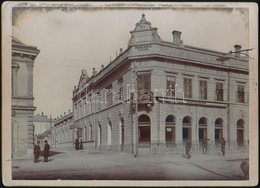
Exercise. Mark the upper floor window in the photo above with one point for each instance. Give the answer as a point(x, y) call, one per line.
point(170, 86)
point(144, 81)
point(188, 87)
point(203, 89)
point(241, 94)
point(120, 89)
point(219, 91)
point(109, 95)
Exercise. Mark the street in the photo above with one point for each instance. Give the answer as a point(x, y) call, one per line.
point(95, 165)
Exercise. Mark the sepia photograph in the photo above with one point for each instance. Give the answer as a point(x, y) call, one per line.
point(129, 94)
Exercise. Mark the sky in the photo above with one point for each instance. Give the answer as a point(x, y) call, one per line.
point(83, 38)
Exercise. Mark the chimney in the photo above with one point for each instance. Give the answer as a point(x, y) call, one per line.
point(177, 37)
point(102, 67)
point(69, 110)
point(64, 113)
point(42, 114)
point(237, 50)
point(121, 50)
point(94, 72)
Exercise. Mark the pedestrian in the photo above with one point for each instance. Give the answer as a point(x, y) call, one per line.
point(36, 151)
point(76, 144)
point(205, 145)
point(188, 148)
point(80, 143)
point(223, 144)
point(46, 151)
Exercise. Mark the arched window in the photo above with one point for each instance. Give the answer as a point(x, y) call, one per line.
point(170, 129)
point(109, 132)
point(240, 132)
point(186, 128)
point(144, 128)
point(99, 136)
point(218, 129)
point(203, 128)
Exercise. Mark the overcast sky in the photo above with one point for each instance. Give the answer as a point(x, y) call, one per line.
point(70, 41)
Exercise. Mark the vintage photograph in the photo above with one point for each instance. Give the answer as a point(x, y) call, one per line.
point(140, 92)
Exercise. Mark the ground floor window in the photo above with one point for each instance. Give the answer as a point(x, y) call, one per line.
point(202, 128)
point(186, 128)
point(240, 132)
point(218, 129)
point(170, 129)
point(144, 133)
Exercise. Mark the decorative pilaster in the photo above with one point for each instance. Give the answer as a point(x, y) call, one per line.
point(30, 79)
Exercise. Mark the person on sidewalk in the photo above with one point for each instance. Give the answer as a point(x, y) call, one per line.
point(188, 148)
point(223, 144)
point(46, 151)
point(205, 145)
point(36, 152)
point(80, 143)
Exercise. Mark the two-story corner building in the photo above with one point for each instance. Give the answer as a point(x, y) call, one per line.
point(23, 57)
point(62, 134)
point(183, 93)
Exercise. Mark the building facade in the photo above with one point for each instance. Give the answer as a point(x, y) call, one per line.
point(156, 95)
point(41, 124)
point(23, 57)
point(62, 132)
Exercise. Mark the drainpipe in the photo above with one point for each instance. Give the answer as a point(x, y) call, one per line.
point(228, 108)
point(136, 111)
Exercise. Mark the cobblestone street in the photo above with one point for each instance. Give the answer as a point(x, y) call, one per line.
point(89, 165)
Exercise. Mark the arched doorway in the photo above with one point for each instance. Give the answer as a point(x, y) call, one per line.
point(203, 128)
point(109, 132)
point(170, 129)
point(99, 136)
point(186, 128)
point(144, 133)
point(218, 129)
point(240, 132)
point(122, 128)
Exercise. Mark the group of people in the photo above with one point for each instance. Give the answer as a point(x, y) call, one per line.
point(204, 147)
point(78, 144)
point(37, 151)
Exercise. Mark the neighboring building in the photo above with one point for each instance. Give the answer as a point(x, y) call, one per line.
point(41, 124)
point(23, 57)
point(46, 135)
point(184, 93)
point(62, 132)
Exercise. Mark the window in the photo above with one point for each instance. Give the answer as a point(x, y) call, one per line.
point(219, 91)
point(187, 87)
point(170, 129)
point(241, 94)
point(144, 81)
point(120, 86)
point(203, 89)
point(109, 96)
point(170, 86)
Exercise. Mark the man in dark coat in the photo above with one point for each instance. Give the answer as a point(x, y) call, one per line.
point(187, 148)
point(223, 144)
point(36, 151)
point(46, 151)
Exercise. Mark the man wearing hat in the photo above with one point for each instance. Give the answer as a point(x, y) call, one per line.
point(36, 151)
point(46, 151)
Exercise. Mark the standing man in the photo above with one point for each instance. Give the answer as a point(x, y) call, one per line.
point(46, 151)
point(223, 144)
point(187, 148)
point(36, 151)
